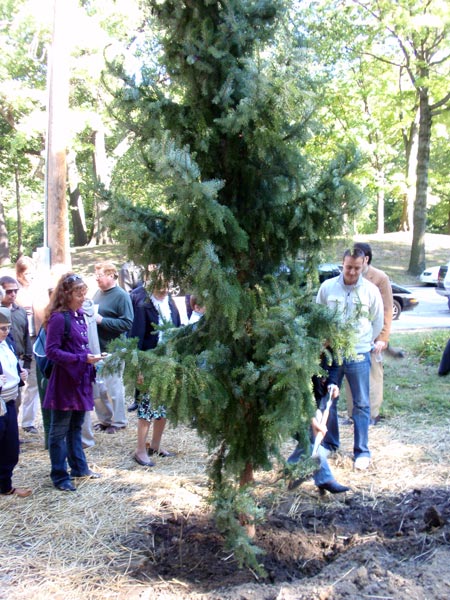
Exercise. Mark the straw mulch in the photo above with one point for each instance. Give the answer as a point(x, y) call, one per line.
point(92, 543)
point(69, 545)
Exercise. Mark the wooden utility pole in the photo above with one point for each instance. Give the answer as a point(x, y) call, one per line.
point(56, 230)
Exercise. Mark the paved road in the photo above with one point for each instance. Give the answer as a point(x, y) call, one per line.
point(431, 313)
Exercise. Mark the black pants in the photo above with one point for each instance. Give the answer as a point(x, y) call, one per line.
point(9, 446)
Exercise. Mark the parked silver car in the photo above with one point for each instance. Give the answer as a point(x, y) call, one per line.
point(430, 275)
point(443, 283)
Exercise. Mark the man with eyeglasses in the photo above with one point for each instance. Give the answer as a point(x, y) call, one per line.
point(114, 318)
point(29, 395)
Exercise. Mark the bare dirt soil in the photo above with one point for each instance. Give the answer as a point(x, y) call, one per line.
point(361, 545)
point(396, 549)
point(140, 533)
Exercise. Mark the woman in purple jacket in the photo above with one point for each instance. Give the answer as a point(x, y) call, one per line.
point(69, 391)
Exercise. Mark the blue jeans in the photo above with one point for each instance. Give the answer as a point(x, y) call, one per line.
point(323, 474)
point(64, 445)
point(358, 377)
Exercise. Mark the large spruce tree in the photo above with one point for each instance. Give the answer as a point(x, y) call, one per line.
point(231, 199)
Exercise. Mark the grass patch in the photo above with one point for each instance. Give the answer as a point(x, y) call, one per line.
point(429, 347)
point(412, 385)
point(84, 258)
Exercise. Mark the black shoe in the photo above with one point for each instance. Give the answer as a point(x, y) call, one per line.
point(376, 420)
point(333, 487)
point(143, 463)
point(132, 407)
point(30, 429)
point(66, 486)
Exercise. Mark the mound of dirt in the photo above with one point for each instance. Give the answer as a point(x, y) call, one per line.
point(395, 547)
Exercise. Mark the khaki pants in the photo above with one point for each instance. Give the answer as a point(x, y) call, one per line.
point(110, 401)
point(29, 394)
point(376, 390)
point(87, 433)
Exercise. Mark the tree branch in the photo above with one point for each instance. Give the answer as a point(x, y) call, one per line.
point(441, 102)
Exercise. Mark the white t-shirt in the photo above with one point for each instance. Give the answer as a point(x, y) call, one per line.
point(163, 308)
point(195, 317)
point(8, 361)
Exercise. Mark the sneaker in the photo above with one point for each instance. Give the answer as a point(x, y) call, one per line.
point(30, 429)
point(362, 463)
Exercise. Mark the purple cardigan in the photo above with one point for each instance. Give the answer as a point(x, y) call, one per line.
point(70, 384)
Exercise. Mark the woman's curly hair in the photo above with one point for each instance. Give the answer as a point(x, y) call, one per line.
point(62, 294)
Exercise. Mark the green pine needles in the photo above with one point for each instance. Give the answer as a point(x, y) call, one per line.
point(221, 129)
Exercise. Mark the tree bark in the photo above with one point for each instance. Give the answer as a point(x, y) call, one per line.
point(410, 141)
point(19, 213)
point(100, 235)
point(80, 237)
point(247, 477)
point(5, 257)
point(380, 211)
point(417, 257)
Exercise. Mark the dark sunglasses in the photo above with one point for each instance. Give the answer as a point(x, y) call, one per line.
point(72, 279)
point(14, 291)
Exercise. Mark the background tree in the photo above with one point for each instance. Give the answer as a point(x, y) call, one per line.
point(23, 40)
point(25, 32)
point(410, 42)
point(421, 33)
point(221, 141)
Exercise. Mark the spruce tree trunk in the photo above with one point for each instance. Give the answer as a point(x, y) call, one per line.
point(247, 477)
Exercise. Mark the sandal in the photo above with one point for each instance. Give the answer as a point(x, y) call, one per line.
point(100, 427)
point(162, 453)
point(113, 429)
point(21, 492)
